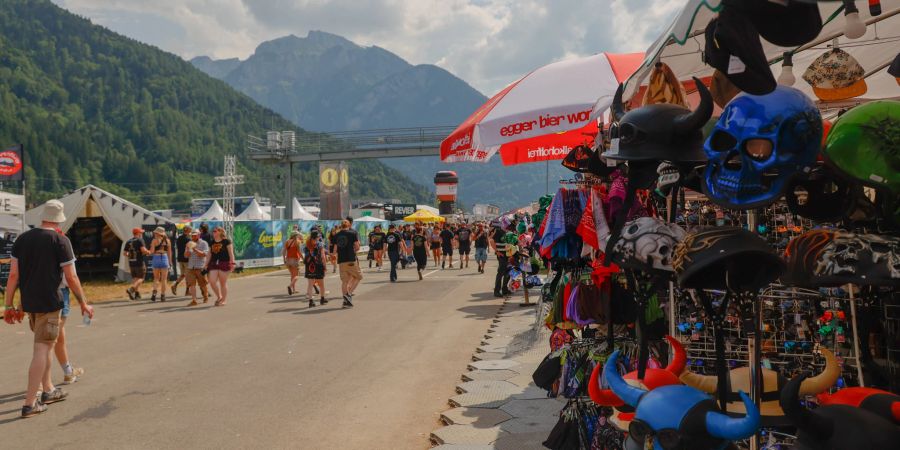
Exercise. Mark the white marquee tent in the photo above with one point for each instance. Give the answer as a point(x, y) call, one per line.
point(253, 212)
point(300, 213)
point(214, 213)
point(120, 215)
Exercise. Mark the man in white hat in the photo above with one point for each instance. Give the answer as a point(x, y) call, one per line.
point(41, 257)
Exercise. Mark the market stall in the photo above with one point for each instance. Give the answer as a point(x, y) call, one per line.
point(724, 264)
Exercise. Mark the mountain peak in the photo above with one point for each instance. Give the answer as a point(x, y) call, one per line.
point(316, 42)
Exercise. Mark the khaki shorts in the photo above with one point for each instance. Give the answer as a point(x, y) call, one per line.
point(45, 326)
point(182, 268)
point(350, 270)
point(195, 276)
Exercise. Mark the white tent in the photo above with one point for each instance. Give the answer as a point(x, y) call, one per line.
point(253, 212)
point(300, 213)
point(370, 219)
point(681, 44)
point(120, 215)
point(214, 213)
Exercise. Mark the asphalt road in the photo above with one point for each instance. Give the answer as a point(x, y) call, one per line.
point(265, 371)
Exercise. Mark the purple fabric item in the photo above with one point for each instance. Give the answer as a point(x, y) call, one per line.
point(571, 310)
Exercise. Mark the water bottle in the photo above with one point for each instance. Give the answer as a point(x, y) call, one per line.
point(86, 319)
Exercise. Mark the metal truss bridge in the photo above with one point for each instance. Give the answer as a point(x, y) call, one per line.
point(346, 145)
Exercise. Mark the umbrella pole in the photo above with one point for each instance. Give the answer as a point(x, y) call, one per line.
point(547, 178)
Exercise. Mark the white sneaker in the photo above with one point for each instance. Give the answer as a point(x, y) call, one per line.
point(73, 377)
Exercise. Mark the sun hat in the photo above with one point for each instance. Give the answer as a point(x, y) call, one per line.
point(788, 23)
point(159, 230)
point(195, 232)
point(836, 75)
point(53, 212)
point(733, 47)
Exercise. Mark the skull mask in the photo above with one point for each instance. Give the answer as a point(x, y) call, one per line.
point(759, 144)
point(647, 244)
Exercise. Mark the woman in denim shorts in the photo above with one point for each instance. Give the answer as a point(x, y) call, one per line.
point(161, 251)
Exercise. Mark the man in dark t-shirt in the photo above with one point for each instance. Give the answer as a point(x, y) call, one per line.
point(395, 248)
point(499, 247)
point(376, 242)
point(135, 250)
point(181, 249)
point(347, 243)
point(464, 237)
point(447, 246)
point(41, 257)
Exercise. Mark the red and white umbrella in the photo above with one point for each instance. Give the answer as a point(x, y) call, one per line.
point(529, 115)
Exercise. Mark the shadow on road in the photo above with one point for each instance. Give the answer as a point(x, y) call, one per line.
point(6, 398)
point(480, 311)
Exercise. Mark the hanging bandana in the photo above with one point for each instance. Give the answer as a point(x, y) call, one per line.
point(593, 228)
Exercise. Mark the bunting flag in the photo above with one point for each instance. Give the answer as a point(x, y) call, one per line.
point(134, 213)
point(113, 200)
point(593, 229)
point(146, 216)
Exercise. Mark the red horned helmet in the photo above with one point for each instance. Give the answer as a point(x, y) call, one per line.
point(653, 378)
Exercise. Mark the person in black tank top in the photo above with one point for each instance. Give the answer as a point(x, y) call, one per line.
point(221, 262)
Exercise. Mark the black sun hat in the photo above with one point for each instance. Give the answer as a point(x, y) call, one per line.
point(786, 24)
point(726, 258)
point(733, 47)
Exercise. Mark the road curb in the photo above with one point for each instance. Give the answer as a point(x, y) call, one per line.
point(498, 406)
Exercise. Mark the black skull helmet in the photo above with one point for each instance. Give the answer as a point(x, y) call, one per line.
point(659, 132)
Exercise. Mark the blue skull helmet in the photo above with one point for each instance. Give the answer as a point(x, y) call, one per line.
point(759, 144)
point(678, 417)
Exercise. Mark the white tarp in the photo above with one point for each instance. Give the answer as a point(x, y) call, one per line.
point(300, 213)
point(213, 214)
point(13, 204)
point(120, 215)
point(253, 212)
point(681, 44)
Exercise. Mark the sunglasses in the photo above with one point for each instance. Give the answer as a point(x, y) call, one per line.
point(802, 345)
point(668, 438)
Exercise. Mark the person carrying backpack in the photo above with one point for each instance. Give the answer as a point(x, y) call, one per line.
point(135, 251)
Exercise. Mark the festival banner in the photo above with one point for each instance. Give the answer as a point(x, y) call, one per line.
point(12, 164)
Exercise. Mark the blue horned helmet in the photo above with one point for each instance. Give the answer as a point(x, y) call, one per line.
point(759, 144)
point(678, 417)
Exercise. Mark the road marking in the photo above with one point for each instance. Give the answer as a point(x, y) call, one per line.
point(429, 273)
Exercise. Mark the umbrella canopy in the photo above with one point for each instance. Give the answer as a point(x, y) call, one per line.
point(423, 216)
point(553, 99)
point(682, 43)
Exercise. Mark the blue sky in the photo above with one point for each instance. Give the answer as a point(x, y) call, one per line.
point(488, 43)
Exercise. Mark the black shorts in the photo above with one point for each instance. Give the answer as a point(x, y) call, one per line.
point(435, 245)
point(447, 251)
point(464, 249)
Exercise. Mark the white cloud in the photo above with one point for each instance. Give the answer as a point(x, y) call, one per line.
point(488, 43)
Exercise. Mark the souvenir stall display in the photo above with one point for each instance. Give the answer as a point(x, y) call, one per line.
point(757, 239)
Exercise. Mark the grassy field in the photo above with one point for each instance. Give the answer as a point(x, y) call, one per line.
point(104, 291)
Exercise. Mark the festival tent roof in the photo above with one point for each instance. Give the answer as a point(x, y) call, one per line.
point(300, 213)
point(253, 212)
point(682, 43)
point(214, 213)
point(430, 209)
point(423, 216)
point(369, 219)
point(120, 215)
